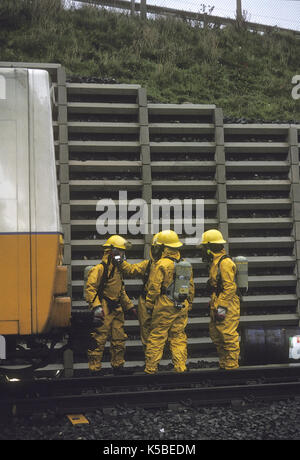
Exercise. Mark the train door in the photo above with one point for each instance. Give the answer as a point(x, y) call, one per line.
point(15, 282)
point(44, 209)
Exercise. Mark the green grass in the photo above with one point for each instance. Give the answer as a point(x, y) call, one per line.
point(247, 74)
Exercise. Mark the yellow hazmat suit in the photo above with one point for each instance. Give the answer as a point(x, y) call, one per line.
point(143, 270)
point(167, 321)
point(113, 300)
point(224, 333)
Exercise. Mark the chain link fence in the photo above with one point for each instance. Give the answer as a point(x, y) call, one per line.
point(281, 13)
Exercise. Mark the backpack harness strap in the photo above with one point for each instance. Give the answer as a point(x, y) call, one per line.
point(167, 290)
point(112, 304)
point(220, 287)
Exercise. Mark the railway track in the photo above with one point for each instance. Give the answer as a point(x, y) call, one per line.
point(110, 139)
point(204, 387)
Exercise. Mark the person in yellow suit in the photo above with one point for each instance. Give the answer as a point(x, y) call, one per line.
point(145, 271)
point(224, 303)
point(169, 319)
point(107, 298)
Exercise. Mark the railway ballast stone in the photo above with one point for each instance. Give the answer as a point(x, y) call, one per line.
point(262, 421)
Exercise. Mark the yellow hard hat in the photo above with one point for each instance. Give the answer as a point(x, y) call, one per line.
point(212, 236)
point(154, 241)
point(117, 241)
point(168, 238)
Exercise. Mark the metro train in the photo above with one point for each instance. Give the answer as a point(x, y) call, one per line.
point(32, 278)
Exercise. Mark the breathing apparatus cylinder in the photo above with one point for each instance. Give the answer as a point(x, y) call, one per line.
point(182, 276)
point(241, 263)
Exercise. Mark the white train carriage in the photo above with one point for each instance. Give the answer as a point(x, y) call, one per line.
point(33, 283)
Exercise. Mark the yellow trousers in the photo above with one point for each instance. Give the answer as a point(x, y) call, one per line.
point(113, 328)
point(145, 320)
point(167, 324)
point(226, 338)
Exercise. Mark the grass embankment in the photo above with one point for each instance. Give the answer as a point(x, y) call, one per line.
point(247, 74)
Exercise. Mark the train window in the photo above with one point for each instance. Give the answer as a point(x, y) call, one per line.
point(2, 87)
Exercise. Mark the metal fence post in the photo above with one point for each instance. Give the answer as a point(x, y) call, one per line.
point(239, 16)
point(132, 7)
point(143, 9)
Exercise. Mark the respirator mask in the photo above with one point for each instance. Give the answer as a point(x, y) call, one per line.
point(117, 256)
point(206, 254)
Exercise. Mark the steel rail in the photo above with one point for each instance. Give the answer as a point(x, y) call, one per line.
point(271, 373)
point(159, 398)
point(201, 387)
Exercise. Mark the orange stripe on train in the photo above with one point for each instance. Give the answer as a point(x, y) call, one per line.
point(32, 284)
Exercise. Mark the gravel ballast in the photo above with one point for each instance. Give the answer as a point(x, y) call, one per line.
point(264, 421)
